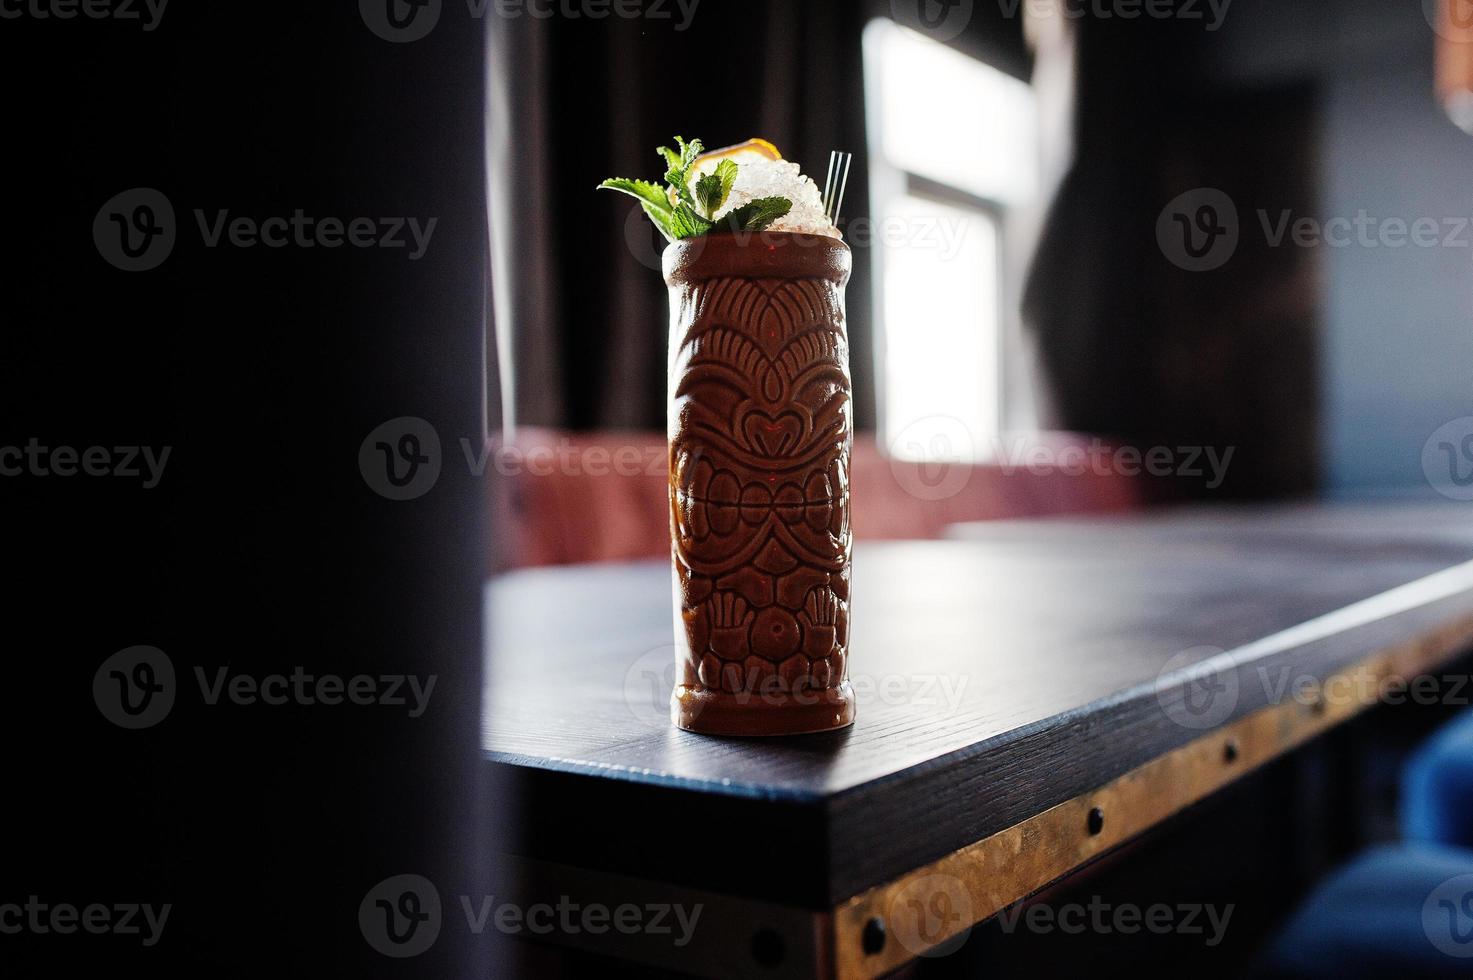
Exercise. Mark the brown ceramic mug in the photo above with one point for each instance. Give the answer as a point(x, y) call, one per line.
point(761, 432)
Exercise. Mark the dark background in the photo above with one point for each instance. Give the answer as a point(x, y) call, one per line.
point(263, 548)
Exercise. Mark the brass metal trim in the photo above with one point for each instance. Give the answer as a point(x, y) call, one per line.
point(932, 904)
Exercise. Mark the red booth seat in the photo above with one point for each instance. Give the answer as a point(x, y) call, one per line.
point(602, 496)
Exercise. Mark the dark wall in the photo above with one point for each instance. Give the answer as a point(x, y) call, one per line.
point(1139, 342)
point(264, 548)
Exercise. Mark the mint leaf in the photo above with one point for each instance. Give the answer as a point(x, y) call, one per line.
point(726, 172)
point(756, 215)
point(686, 223)
point(679, 213)
point(714, 188)
point(651, 195)
point(708, 193)
point(663, 220)
point(678, 176)
point(689, 151)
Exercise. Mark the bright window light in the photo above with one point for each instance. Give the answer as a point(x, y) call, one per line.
point(943, 305)
point(953, 147)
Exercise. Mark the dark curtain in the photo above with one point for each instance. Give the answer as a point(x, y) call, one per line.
point(581, 305)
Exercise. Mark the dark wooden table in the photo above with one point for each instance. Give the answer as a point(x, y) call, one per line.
point(1031, 695)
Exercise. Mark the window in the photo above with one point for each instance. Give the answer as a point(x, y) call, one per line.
point(952, 149)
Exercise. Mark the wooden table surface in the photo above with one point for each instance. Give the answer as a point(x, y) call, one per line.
point(1001, 673)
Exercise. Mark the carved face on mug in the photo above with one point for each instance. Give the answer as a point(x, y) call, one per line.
point(760, 439)
point(762, 427)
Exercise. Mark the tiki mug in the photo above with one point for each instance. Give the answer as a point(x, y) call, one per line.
point(761, 432)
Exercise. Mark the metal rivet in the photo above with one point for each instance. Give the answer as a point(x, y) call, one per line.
point(873, 939)
point(1096, 821)
point(1230, 751)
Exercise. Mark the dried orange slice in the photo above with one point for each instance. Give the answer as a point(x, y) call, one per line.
point(751, 148)
point(739, 153)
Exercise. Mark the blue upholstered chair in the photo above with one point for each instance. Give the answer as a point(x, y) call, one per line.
point(1401, 911)
point(1437, 788)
